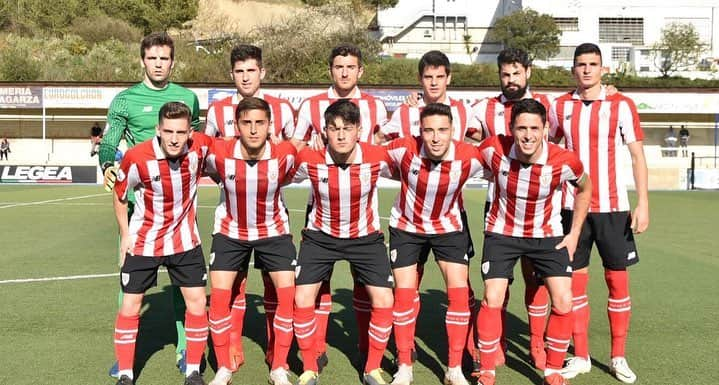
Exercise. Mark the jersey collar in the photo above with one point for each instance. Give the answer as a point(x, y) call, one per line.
point(333, 95)
point(602, 94)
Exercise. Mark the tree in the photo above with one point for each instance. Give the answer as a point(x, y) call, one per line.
point(528, 30)
point(367, 4)
point(678, 48)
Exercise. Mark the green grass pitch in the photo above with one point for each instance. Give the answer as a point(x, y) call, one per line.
point(60, 331)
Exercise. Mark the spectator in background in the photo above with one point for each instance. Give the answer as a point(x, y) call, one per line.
point(4, 148)
point(95, 137)
point(684, 140)
point(670, 141)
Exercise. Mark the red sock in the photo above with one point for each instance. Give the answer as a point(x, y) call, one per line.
point(125, 340)
point(457, 323)
point(404, 323)
point(559, 333)
point(196, 331)
point(536, 299)
point(580, 308)
point(239, 304)
point(619, 308)
point(220, 325)
point(489, 323)
point(269, 300)
point(380, 328)
point(282, 326)
point(322, 312)
point(363, 310)
point(305, 332)
point(471, 345)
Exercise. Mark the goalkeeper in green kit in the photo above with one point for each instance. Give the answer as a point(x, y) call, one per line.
point(133, 114)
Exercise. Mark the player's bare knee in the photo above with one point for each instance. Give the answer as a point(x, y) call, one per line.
point(562, 302)
point(380, 296)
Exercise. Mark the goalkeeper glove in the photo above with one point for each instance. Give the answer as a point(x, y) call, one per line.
point(110, 174)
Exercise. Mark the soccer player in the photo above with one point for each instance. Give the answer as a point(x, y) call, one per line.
point(251, 216)
point(133, 115)
point(595, 125)
point(345, 69)
point(247, 73)
point(524, 219)
point(426, 216)
point(162, 173)
point(493, 116)
point(343, 224)
point(435, 74)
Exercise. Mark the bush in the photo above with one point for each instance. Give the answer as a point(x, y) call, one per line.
point(18, 63)
point(98, 27)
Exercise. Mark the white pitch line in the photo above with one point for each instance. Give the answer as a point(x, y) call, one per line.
point(67, 278)
point(51, 201)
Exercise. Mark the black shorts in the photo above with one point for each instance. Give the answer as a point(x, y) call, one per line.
point(407, 249)
point(186, 269)
point(500, 254)
point(271, 254)
point(367, 256)
point(611, 232)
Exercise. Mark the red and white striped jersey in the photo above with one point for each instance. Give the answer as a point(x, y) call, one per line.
point(596, 131)
point(221, 116)
point(311, 115)
point(428, 200)
point(527, 200)
point(164, 221)
point(252, 207)
point(405, 120)
point(493, 115)
point(344, 196)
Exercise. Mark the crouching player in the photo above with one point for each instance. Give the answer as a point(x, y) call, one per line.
point(524, 219)
point(251, 217)
point(162, 173)
point(343, 224)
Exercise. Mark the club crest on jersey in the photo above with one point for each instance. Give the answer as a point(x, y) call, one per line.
point(454, 175)
point(272, 175)
point(125, 278)
point(545, 179)
point(365, 177)
point(193, 167)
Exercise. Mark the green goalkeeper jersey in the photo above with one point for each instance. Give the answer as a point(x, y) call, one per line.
point(134, 114)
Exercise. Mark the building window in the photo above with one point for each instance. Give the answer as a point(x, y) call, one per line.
point(621, 30)
point(567, 23)
point(621, 54)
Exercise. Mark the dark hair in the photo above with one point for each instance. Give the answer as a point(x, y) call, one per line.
point(175, 110)
point(434, 59)
point(157, 39)
point(528, 106)
point(345, 109)
point(252, 103)
point(514, 55)
point(436, 109)
point(242, 52)
point(345, 50)
point(586, 48)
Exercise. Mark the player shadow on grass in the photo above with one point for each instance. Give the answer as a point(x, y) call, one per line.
point(431, 331)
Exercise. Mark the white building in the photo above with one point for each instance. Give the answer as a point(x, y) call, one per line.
point(625, 30)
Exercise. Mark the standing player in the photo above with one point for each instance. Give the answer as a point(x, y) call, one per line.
point(524, 219)
point(343, 224)
point(345, 68)
point(247, 73)
point(251, 217)
point(493, 116)
point(426, 216)
point(595, 125)
point(162, 173)
point(133, 115)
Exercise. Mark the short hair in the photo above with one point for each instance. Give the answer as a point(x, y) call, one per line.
point(436, 109)
point(434, 59)
point(345, 109)
point(252, 103)
point(514, 55)
point(242, 52)
point(175, 110)
point(528, 106)
point(345, 50)
point(585, 48)
point(157, 39)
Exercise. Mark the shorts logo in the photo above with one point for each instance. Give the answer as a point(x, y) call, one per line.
point(212, 258)
point(569, 269)
point(204, 277)
point(393, 255)
point(120, 175)
point(390, 278)
point(297, 271)
point(485, 267)
point(294, 262)
point(631, 255)
point(466, 258)
point(125, 278)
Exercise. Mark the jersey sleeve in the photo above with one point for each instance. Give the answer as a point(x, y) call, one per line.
point(381, 116)
point(393, 127)
point(287, 164)
point(117, 116)
point(303, 128)
point(555, 131)
point(477, 121)
point(288, 120)
point(629, 124)
point(396, 150)
point(211, 128)
point(127, 177)
point(485, 152)
point(300, 169)
point(572, 168)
